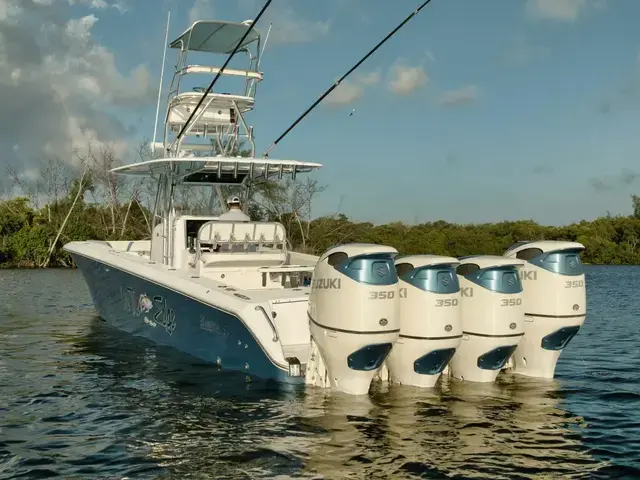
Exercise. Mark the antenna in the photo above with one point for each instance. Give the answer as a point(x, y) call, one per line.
point(164, 53)
point(264, 46)
point(362, 60)
point(206, 92)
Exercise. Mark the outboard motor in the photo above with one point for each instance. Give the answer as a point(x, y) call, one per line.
point(492, 316)
point(430, 322)
point(555, 301)
point(353, 316)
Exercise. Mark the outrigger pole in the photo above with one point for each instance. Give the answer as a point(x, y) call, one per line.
point(215, 79)
point(164, 53)
point(362, 60)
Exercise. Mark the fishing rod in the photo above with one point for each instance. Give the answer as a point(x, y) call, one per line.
point(204, 95)
point(362, 60)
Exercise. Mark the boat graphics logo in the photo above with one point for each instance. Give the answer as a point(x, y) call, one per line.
point(326, 284)
point(150, 322)
point(163, 314)
point(528, 275)
point(145, 304)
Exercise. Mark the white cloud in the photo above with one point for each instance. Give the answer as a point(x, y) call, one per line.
point(405, 80)
point(349, 91)
point(371, 78)
point(289, 25)
point(345, 94)
point(100, 4)
point(460, 96)
point(16, 73)
point(119, 5)
point(201, 10)
point(97, 4)
point(80, 28)
point(58, 87)
point(9, 9)
point(561, 10)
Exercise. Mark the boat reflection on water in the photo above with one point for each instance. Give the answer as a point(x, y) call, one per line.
point(187, 420)
point(512, 427)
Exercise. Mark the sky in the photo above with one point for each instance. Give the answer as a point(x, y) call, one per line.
point(475, 111)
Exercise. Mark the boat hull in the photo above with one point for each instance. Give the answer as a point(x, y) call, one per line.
point(144, 308)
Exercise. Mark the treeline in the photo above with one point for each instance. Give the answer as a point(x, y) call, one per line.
point(608, 240)
point(37, 217)
point(32, 236)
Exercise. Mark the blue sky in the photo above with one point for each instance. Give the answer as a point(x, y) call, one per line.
point(476, 111)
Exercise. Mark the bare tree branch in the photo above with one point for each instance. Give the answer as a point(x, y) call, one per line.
point(75, 200)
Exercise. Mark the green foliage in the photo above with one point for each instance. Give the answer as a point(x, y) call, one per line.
point(608, 240)
point(30, 245)
point(27, 233)
point(14, 214)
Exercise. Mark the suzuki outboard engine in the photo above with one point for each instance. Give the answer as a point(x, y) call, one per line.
point(492, 316)
point(555, 301)
point(353, 316)
point(430, 322)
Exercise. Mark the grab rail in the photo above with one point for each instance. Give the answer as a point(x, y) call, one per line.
point(273, 327)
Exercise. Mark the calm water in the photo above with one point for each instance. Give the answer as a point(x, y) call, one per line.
point(81, 400)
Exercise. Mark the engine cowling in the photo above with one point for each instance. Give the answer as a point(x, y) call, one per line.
point(430, 321)
point(492, 316)
point(555, 302)
point(353, 313)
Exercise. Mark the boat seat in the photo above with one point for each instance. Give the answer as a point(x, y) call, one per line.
point(241, 244)
point(250, 74)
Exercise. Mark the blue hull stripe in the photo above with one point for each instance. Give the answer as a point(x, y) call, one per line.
point(144, 308)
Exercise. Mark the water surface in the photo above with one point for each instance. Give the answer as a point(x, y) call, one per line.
point(79, 399)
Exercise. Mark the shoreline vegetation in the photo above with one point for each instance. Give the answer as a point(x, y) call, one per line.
point(88, 203)
point(33, 237)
